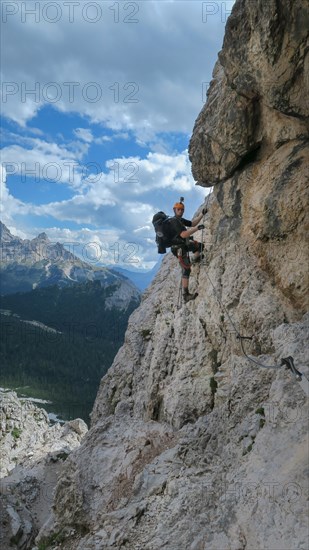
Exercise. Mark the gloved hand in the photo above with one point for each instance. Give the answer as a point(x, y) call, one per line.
point(202, 226)
point(204, 211)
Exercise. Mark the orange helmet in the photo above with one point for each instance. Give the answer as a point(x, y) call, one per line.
point(179, 205)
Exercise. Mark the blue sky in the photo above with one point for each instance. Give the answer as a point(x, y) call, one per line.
point(98, 102)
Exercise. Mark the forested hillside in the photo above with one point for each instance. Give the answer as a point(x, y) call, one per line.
point(57, 343)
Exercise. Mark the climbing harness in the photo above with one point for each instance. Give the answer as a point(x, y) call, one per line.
point(181, 260)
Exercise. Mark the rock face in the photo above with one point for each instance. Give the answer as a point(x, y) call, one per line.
point(193, 446)
point(27, 434)
point(258, 98)
point(32, 455)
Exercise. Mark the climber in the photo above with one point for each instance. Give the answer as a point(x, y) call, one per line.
point(184, 243)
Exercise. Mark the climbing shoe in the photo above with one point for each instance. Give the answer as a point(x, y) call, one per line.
point(187, 296)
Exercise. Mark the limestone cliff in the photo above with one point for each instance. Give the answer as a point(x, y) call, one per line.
point(192, 446)
point(32, 453)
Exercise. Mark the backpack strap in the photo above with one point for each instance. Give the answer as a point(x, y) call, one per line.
point(175, 228)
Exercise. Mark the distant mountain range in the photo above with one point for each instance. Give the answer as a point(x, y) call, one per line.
point(141, 279)
point(62, 322)
point(36, 263)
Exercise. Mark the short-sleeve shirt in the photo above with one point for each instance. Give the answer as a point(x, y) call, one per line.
point(186, 223)
point(178, 226)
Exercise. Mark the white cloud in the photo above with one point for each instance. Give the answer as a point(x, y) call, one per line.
point(149, 78)
point(102, 139)
point(124, 179)
point(99, 247)
point(9, 205)
point(84, 134)
point(123, 209)
point(109, 76)
point(46, 161)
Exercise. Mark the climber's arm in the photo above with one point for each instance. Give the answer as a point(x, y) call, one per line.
point(197, 220)
point(188, 232)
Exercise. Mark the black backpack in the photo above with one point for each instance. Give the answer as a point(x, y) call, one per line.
point(166, 231)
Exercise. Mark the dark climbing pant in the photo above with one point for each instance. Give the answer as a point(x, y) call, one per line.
point(182, 253)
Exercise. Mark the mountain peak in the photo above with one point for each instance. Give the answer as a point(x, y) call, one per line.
point(42, 237)
point(5, 234)
point(42, 262)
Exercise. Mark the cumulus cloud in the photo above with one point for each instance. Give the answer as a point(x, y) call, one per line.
point(121, 201)
point(108, 76)
point(9, 205)
point(44, 160)
point(99, 246)
point(85, 134)
point(141, 70)
point(130, 185)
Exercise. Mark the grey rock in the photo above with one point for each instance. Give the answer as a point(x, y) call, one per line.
point(260, 79)
point(173, 460)
point(33, 453)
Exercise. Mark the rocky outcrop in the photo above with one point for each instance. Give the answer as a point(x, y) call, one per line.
point(33, 452)
point(25, 251)
point(193, 446)
point(26, 433)
point(178, 463)
point(258, 98)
